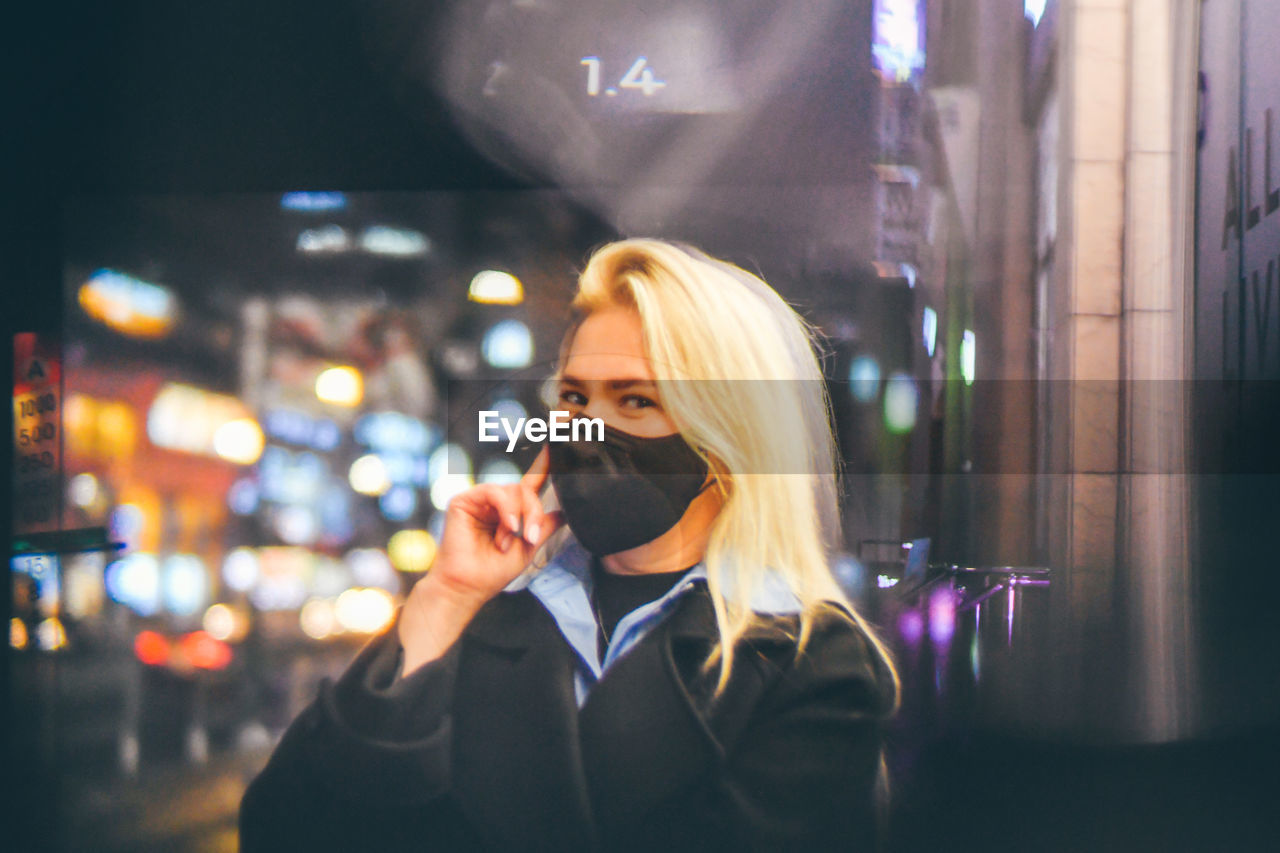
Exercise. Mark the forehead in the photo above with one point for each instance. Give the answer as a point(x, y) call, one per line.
point(609, 344)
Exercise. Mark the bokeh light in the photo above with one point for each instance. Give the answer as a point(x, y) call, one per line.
point(341, 386)
point(412, 550)
point(493, 287)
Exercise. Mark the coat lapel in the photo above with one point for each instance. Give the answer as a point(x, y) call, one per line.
point(515, 721)
point(649, 728)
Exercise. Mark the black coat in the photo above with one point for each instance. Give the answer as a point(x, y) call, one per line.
point(486, 748)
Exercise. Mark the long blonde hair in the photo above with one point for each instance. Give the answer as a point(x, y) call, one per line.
point(756, 410)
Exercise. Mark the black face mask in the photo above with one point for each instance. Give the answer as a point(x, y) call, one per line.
point(624, 491)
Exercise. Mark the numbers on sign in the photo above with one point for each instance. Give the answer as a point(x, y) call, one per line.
point(33, 406)
point(593, 74)
point(30, 462)
point(37, 434)
point(639, 76)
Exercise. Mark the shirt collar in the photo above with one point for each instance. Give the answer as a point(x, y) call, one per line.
point(571, 567)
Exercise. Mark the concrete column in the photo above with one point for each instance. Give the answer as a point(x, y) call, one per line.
point(1120, 637)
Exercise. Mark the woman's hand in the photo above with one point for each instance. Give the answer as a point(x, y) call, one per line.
point(490, 535)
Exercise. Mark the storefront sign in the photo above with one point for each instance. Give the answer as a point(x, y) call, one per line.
point(37, 433)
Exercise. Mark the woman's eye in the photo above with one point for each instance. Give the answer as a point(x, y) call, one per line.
point(573, 398)
point(637, 401)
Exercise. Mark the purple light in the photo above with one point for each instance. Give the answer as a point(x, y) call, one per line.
point(942, 617)
point(911, 627)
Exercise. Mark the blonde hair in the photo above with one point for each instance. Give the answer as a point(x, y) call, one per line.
point(757, 411)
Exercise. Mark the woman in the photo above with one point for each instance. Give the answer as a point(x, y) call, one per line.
point(678, 674)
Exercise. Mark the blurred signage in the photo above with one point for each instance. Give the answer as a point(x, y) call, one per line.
point(183, 417)
point(1238, 198)
point(129, 305)
point(897, 39)
point(37, 432)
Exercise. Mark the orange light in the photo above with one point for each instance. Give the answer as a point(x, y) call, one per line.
point(151, 648)
point(202, 650)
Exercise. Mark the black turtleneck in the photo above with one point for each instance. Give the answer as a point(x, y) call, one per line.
point(614, 596)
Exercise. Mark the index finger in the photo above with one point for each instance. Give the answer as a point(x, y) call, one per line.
point(537, 473)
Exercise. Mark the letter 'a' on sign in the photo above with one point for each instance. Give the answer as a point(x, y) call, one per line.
point(36, 371)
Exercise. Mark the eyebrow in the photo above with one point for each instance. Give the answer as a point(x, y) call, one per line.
point(615, 384)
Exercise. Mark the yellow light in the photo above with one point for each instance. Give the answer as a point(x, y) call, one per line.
point(491, 287)
point(412, 550)
point(239, 441)
point(224, 623)
point(50, 634)
point(317, 618)
point(368, 475)
point(117, 430)
point(17, 633)
point(365, 611)
point(341, 386)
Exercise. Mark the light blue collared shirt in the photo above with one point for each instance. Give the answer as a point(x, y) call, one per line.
point(564, 588)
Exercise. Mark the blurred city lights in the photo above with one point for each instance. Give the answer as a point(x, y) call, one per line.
point(204, 651)
point(296, 525)
point(394, 242)
point(394, 432)
point(435, 525)
point(224, 623)
point(115, 429)
point(50, 635)
point(151, 648)
point(372, 567)
point(1034, 10)
point(901, 398)
point(282, 580)
point(968, 356)
point(129, 305)
point(508, 345)
point(448, 487)
point(190, 419)
point(864, 378)
point(331, 577)
point(930, 330)
point(509, 409)
point(327, 239)
point(242, 497)
point(185, 584)
point(447, 459)
point(368, 475)
point(240, 569)
point(398, 503)
point(492, 287)
point(18, 638)
point(311, 202)
point(364, 611)
point(134, 581)
point(399, 466)
point(942, 616)
point(83, 490)
point(412, 550)
point(897, 42)
point(125, 523)
point(499, 470)
point(239, 441)
point(341, 386)
point(317, 619)
point(911, 627)
point(885, 582)
point(82, 581)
